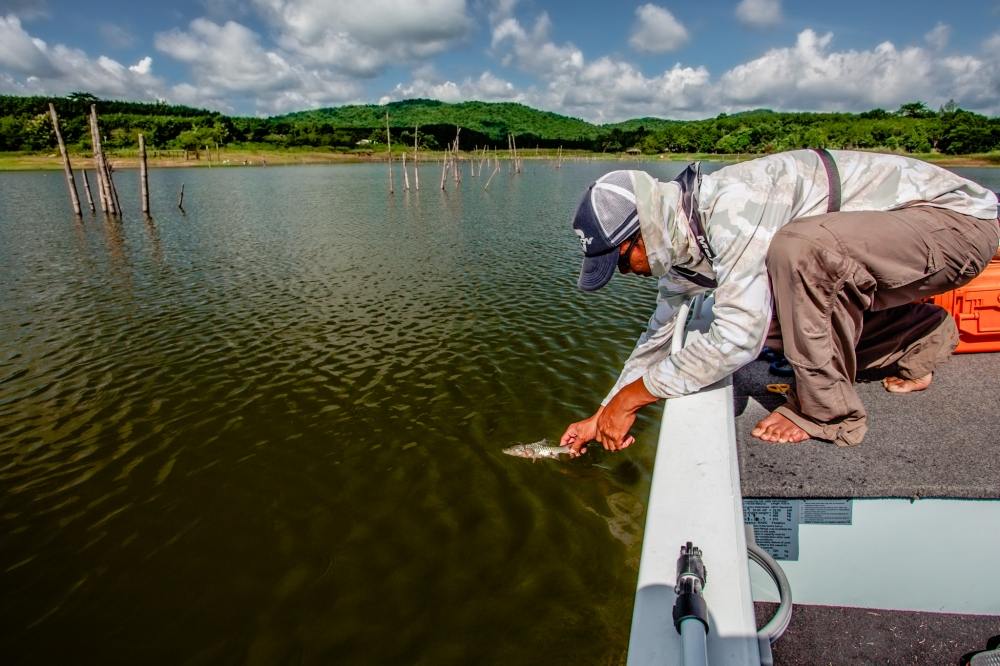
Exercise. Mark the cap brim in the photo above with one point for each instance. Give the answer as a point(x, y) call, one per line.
point(598, 270)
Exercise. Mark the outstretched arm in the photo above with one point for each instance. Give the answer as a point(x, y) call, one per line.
point(618, 415)
point(610, 423)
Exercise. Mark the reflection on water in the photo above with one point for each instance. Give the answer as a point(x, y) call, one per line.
point(269, 429)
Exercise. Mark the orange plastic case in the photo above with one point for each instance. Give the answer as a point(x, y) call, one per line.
point(976, 309)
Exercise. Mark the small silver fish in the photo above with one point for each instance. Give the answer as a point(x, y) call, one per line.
point(536, 450)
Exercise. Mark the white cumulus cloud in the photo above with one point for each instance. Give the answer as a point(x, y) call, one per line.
point(938, 36)
point(144, 66)
point(808, 75)
point(656, 30)
point(33, 67)
point(606, 89)
point(427, 84)
point(310, 53)
point(363, 38)
point(227, 56)
point(991, 46)
point(531, 50)
point(20, 52)
point(811, 75)
point(759, 13)
point(230, 58)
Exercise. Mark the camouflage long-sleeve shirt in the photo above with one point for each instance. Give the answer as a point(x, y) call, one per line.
point(742, 206)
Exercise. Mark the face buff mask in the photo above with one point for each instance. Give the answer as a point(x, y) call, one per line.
point(665, 240)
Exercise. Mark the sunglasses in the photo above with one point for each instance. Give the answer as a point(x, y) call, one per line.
point(624, 258)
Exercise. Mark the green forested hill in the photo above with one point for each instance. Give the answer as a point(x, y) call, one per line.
point(25, 123)
point(25, 126)
point(492, 120)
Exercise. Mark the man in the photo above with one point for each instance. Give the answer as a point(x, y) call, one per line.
point(821, 254)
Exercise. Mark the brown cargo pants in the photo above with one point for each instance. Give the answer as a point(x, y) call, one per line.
point(844, 287)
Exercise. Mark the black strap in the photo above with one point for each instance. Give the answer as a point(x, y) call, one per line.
point(690, 183)
point(832, 179)
point(696, 278)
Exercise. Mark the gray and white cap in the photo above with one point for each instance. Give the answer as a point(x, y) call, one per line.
point(605, 218)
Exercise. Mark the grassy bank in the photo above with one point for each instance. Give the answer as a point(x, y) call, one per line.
point(231, 157)
point(168, 159)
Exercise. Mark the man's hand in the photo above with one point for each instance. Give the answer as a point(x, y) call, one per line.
point(610, 424)
point(617, 417)
point(613, 427)
point(579, 434)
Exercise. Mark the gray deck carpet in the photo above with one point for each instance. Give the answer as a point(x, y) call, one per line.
point(942, 442)
point(822, 635)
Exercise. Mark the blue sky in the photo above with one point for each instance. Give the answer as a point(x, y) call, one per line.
point(600, 61)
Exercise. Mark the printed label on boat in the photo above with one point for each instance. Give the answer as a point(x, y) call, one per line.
point(827, 511)
point(775, 525)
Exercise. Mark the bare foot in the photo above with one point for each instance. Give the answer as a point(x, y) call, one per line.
point(778, 428)
point(900, 385)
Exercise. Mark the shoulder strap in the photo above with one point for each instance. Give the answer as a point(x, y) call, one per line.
point(832, 179)
point(696, 278)
point(690, 183)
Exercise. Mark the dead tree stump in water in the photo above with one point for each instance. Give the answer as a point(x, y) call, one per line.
point(388, 150)
point(143, 176)
point(86, 189)
point(74, 197)
point(109, 196)
point(416, 171)
point(95, 143)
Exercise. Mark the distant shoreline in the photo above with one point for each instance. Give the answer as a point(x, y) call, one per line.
point(238, 157)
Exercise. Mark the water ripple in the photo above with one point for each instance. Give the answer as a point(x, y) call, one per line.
point(270, 429)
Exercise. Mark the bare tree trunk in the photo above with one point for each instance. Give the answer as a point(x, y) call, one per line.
point(143, 176)
point(116, 202)
point(496, 170)
point(86, 189)
point(444, 168)
point(102, 195)
point(95, 140)
point(388, 150)
point(74, 197)
point(406, 177)
point(489, 180)
point(416, 171)
point(180, 198)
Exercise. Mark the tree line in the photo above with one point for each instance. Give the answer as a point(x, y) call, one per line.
point(914, 127)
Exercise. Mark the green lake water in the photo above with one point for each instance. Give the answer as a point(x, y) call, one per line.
point(269, 430)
